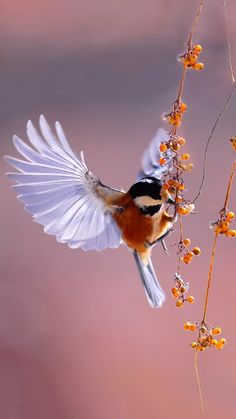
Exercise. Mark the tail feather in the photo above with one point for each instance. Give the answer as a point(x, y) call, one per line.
point(154, 292)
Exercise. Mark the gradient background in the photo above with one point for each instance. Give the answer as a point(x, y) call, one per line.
point(77, 337)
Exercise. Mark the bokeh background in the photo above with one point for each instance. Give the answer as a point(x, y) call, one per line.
point(77, 337)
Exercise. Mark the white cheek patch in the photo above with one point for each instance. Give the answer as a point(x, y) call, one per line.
point(147, 201)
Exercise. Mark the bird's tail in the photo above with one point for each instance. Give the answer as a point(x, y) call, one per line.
point(154, 292)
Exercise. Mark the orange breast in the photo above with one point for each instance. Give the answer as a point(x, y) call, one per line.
point(136, 228)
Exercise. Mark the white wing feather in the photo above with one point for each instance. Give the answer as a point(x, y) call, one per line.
point(59, 191)
point(152, 155)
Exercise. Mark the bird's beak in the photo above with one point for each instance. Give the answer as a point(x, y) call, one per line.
point(170, 201)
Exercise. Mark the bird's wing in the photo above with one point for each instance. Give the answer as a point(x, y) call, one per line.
point(151, 157)
point(61, 193)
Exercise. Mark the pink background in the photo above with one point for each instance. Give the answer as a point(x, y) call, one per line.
point(77, 337)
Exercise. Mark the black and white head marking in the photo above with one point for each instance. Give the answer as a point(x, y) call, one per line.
point(147, 194)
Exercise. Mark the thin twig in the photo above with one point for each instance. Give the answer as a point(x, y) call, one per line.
point(214, 243)
point(198, 380)
point(209, 277)
point(180, 241)
point(181, 85)
point(228, 42)
point(195, 22)
point(209, 139)
point(229, 186)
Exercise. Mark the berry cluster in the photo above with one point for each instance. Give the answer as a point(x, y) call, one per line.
point(222, 226)
point(179, 292)
point(174, 117)
point(190, 58)
point(187, 254)
point(206, 336)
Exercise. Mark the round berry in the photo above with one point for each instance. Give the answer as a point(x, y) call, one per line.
point(179, 303)
point(216, 331)
point(185, 156)
point(181, 141)
point(196, 251)
point(187, 325)
point(163, 147)
point(230, 215)
point(187, 242)
point(190, 299)
point(194, 345)
point(162, 161)
point(199, 66)
point(197, 49)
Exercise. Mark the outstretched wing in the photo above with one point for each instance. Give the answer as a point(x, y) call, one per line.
point(61, 193)
point(151, 157)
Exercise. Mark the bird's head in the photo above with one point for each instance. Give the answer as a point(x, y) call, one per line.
point(148, 192)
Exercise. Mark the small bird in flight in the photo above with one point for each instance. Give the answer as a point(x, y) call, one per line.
point(61, 193)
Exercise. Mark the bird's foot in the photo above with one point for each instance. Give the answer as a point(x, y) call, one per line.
point(160, 239)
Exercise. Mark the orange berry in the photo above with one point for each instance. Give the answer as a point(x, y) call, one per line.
point(197, 49)
point(213, 342)
point(217, 229)
point(185, 156)
point(179, 303)
point(192, 327)
point(182, 166)
point(222, 341)
point(189, 167)
point(186, 260)
point(171, 182)
point(219, 345)
point(200, 348)
point(194, 345)
point(183, 107)
point(230, 215)
point(181, 141)
point(225, 225)
point(163, 147)
point(175, 147)
point(189, 255)
point(231, 233)
point(175, 292)
point(190, 300)
point(216, 331)
point(182, 290)
point(196, 251)
point(183, 210)
point(193, 58)
point(187, 242)
point(162, 161)
point(181, 187)
point(198, 66)
point(187, 326)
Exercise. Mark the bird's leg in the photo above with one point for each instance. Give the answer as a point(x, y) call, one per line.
point(160, 239)
point(164, 246)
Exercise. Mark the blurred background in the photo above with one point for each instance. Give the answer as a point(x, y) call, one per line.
point(77, 337)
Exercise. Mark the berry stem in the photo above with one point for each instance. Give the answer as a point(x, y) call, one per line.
point(180, 241)
point(215, 241)
point(229, 186)
point(218, 119)
point(209, 277)
point(198, 380)
point(195, 22)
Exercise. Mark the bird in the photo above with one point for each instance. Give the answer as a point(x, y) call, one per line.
point(62, 194)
